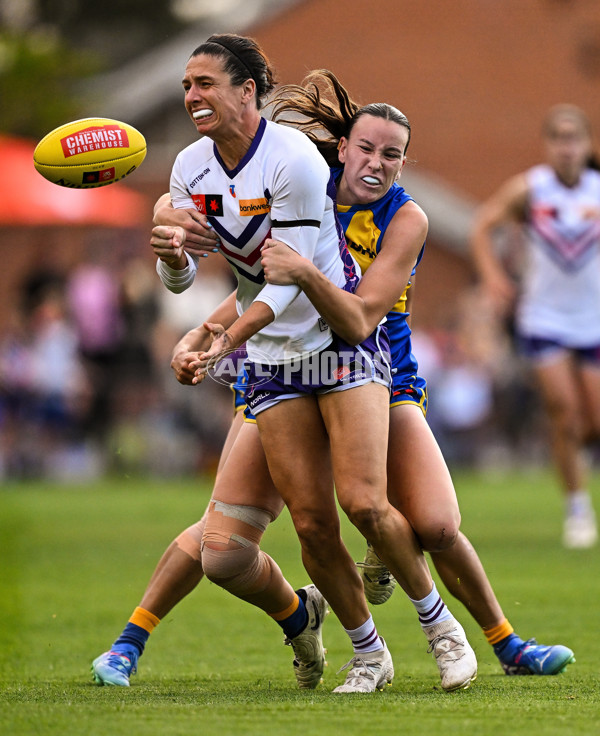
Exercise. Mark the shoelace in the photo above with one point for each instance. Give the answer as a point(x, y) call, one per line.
point(452, 639)
point(361, 667)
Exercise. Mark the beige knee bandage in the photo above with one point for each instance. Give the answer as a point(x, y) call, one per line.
point(227, 523)
point(190, 540)
point(242, 569)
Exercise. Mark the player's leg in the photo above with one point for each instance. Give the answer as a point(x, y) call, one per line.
point(297, 449)
point(559, 383)
point(464, 576)
point(420, 485)
point(244, 502)
point(180, 568)
point(359, 468)
point(361, 487)
point(581, 503)
point(177, 573)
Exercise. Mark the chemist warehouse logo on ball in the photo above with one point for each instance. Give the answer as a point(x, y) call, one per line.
point(95, 138)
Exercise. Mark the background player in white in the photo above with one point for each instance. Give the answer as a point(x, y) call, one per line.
point(557, 303)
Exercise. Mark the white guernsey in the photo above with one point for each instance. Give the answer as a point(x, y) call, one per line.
point(279, 189)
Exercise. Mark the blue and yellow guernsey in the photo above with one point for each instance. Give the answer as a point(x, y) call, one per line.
point(364, 226)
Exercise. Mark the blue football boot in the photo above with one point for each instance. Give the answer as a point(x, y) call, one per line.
point(115, 668)
point(531, 658)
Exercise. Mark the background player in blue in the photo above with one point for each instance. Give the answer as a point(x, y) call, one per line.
point(557, 304)
point(378, 219)
point(284, 191)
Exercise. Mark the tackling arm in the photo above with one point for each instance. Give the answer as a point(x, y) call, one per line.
point(354, 316)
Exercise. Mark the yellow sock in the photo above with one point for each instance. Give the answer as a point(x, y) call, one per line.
point(144, 619)
point(494, 634)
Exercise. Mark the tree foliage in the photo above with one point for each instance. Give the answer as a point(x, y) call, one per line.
point(36, 78)
point(43, 64)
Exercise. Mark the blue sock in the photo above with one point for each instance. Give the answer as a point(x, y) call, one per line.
point(507, 649)
point(296, 623)
point(132, 637)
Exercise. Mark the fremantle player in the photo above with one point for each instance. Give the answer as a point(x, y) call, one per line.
point(304, 428)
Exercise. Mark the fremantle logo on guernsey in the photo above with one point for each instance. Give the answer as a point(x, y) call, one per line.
point(95, 138)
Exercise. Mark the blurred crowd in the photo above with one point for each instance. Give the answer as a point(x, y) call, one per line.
point(85, 383)
point(482, 405)
point(86, 388)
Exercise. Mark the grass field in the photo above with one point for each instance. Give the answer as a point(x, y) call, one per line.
point(75, 560)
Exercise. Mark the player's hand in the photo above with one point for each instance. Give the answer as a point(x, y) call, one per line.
point(167, 244)
point(184, 365)
point(221, 345)
point(201, 239)
point(281, 264)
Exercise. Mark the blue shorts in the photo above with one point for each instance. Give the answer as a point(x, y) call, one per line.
point(239, 388)
point(337, 367)
point(409, 389)
point(407, 386)
point(541, 348)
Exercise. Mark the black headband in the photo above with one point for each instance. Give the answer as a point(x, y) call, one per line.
point(239, 58)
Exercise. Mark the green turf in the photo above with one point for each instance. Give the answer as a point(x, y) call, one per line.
point(75, 560)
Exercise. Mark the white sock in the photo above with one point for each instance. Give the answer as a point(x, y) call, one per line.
point(365, 638)
point(431, 609)
point(579, 503)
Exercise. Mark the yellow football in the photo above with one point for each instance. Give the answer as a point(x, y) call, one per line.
point(88, 153)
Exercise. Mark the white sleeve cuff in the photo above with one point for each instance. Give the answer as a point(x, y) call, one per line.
point(177, 280)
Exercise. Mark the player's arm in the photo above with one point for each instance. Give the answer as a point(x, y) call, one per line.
point(354, 316)
point(176, 219)
point(170, 241)
point(201, 240)
point(507, 205)
point(297, 209)
point(186, 353)
point(253, 320)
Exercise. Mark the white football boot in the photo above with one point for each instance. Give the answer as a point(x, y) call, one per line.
point(453, 654)
point(368, 672)
point(309, 654)
point(580, 531)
